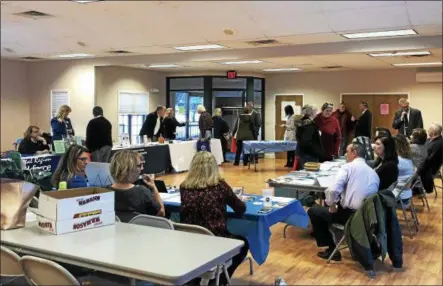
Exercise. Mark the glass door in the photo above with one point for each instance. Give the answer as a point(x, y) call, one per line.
point(192, 128)
point(185, 106)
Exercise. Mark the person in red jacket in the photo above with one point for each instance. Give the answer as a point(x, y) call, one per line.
point(330, 131)
point(344, 117)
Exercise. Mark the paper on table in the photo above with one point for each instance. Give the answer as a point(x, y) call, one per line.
point(166, 196)
point(173, 199)
point(326, 181)
point(280, 199)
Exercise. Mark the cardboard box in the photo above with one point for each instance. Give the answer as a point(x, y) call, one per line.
point(76, 209)
point(75, 203)
point(78, 224)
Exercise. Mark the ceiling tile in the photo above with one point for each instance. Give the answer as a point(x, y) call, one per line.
point(346, 5)
point(425, 12)
point(429, 30)
point(311, 38)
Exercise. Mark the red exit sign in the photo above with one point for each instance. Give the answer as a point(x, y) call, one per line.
point(231, 74)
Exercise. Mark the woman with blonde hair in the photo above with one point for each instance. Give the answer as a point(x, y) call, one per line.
point(131, 199)
point(221, 127)
point(71, 168)
point(204, 197)
point(61, 124)
point(170, 124)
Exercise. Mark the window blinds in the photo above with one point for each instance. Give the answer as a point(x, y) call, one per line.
point(58, 98)
point(133, 102)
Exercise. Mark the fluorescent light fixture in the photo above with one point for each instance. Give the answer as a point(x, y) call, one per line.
point(200, 47)
point(85, 1)
point(242, 62)
point(69, 56)
point(400, 54)
point(418, 64)
point(380, 34)
point(282, 69)
point(162, 66)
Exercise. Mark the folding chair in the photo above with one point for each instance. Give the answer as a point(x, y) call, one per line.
point(439, 175)
point(417, 184)
point(214, 272)
point(11, 269)
point(338, 243)
point(39, 271)
point(153, 221)
point(404, 201)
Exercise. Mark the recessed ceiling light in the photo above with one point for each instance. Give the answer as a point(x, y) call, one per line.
point(200, 47)
point(163, 66)
point(399, 54)
point(282, 69)
point(242, 62)
point(380, 34)
point(85, 1)
point(74, 56)
point(418, 64)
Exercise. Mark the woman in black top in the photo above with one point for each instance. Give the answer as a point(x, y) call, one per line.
point(33, 143)
point(386, 165)
point(221, 127)
point(170, 124)
point(131, 199)
point(309, 147)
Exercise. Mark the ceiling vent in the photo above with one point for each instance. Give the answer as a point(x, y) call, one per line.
point(332, 67)
point(119, 52)
point(33, 14)
point(31, 58)
point(263, 42)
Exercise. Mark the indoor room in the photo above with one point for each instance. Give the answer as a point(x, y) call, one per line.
point(221, 142)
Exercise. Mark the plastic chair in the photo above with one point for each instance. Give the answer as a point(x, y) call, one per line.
point(153, 221)
point(10, 266)
point(405, 202)
point(39, 271)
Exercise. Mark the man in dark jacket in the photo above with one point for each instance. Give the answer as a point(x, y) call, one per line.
point(406, 119)
point(433, 162)
point(99, 137)
point(153, 125)
point(344, 117)
point(364, 122)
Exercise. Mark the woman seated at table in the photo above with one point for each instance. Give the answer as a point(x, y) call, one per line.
point(386, 165)
point(33, 143)
point(204, 197)
point(131, 199)
point(71, 168)
point(405, 165)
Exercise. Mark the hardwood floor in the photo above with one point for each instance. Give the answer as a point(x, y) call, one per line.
point(295, 258)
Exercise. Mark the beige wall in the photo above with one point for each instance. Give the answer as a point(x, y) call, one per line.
point(319, 87)
point(109, 80)
point(14, 102)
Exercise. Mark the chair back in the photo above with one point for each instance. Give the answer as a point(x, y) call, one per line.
point(192, 228)
point(126, 216)
point(39, 271)
point(401, 187)
point(153, 221)
point(10, 263)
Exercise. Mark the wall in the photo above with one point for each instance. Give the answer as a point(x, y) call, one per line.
point(14, 102)
point(109, 80)
point(320, 87)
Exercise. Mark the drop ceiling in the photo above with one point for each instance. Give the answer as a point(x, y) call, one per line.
point(308, 33)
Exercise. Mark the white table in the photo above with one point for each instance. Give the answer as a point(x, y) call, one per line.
point(183, 152)
point(146, 253)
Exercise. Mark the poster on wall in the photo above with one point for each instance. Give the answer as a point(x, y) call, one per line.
point(283, 105)
point(384, 109)
point(297, 110)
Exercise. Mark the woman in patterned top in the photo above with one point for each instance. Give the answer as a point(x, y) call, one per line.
point(418, 148)
point(204, 197)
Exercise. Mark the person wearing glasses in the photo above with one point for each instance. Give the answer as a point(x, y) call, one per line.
point(330, 131)
point(132, 199)
point(71, 168)
point(33, 143)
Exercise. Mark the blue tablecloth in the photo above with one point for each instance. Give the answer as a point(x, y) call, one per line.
point(268, 146)
point(256, 227)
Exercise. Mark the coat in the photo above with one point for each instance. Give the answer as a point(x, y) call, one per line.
point(60, 129)
point(204, 123)
point(220, 127)
point(363, 125)
point(429, 168)
point(244, 128)
point(256, 119)
point(290, 129)
point(344, 118)
point(308, 139)
point(149, 125)
point(330, 135)
point(170, 127)
point(415, 120)
point(374, 230)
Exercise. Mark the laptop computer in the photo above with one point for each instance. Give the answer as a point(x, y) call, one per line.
point(98, 174)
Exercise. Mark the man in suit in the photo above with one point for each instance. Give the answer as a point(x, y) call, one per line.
point(406, 118)
point(434, 159)
point(153, 125)
point(364, 122)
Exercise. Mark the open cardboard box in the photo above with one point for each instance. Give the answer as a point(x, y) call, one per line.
point(76, 209)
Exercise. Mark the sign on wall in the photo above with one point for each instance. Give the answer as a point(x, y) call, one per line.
point(384, 109)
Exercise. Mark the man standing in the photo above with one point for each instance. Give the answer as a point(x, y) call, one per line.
point(344, 117)
point(99, 137)
point(256, 120)
point(353, 183)
point(153, 125)
point(364, 122)
point(406, 119)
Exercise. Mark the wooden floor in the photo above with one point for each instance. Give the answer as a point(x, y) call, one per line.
point(295, 259)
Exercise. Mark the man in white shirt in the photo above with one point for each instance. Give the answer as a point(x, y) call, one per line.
point(353, 183)
point(153, 125)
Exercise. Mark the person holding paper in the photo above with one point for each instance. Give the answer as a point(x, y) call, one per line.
point(71, 168)
point(61, 124)
point(354, 182)
point(33, 142)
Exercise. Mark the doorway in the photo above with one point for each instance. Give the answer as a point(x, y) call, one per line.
point(382, 106)
point(296, 101)
point(185, 108)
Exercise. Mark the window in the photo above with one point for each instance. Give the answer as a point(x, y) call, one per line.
point(132, 110)
point(58, 98)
